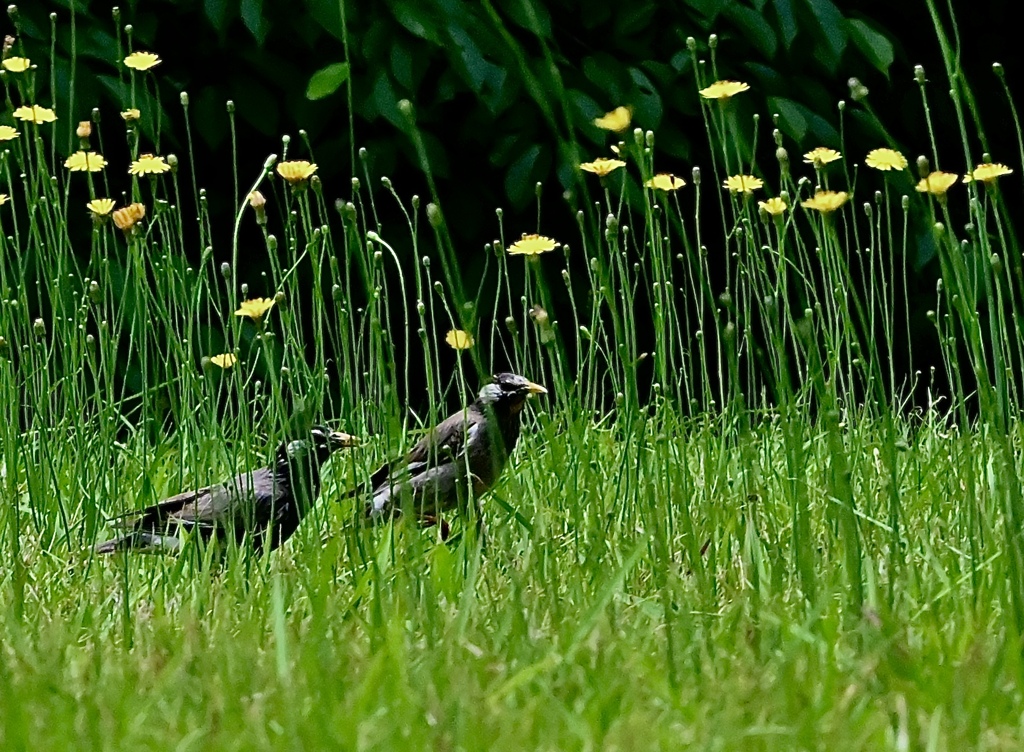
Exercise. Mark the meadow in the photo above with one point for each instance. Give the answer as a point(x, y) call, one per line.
point(728, 526)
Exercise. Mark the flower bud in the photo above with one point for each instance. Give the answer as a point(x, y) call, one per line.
point(434, 215)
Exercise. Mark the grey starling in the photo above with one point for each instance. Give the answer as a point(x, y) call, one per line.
point(266, 505)
point(469, 448)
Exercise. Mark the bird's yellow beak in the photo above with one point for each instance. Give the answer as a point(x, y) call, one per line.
point(535, 388)
point(339, 440)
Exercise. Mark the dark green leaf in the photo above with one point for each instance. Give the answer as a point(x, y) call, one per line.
point(874, 46)
point(708, 8)
point(646, 102)
point(252, 17)
point(418, 19)
point(385, 100)
point(833, 27)
point(518, 184)
point(327, 80)
point(787, 21)
point(532, 16)
point(217, 13)
point(401, 66)
point(791, 120)
point(755, 29)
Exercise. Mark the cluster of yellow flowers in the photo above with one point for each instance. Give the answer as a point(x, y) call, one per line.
point(86, 160)
point(823, 201)
point(297, 173)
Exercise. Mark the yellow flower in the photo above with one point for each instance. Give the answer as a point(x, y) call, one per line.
point(17, 64)
point(937, 183)
point(297, 171)
point(255, 308)
point(148, 164)
point(224, 360)
point(85, 161)
point(3, 199)
point(826, 202)
point(602, 166)
point(142, 61)
point(885, 159)
point(987, 173)
point(256, 200)
point(617, 120)
point(821, 156)
point(532, 245)
point(35, 114)
point(101, 207)
point(126, 218)
point(7, 133)
point(131, 114)
point(665, 182)
point(459, 339)
point(723, 89)
point(742, 183)
point(774, 206)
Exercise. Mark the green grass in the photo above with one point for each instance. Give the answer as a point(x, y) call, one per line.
point(737, 538)
point(594, 627)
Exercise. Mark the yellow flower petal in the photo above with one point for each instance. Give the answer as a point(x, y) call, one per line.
point(142, 61)
point(148, 164)
point(826, 202)
point(101, 207)
point(3, 199)
point(617, 120)
point(85, 161)
point(224, 360)
point(937, 183)
point(885, 159)
point(17, 64)
point(774, 206)
point(7, 133)
point(665, 182)
point(743, 183)
point(35, 114)
point(532, 245)
point(602, 166)
point(821, 156)
point(724, 89)
point(131, 114)
point(296, 171)
point(459, 339)
point(255, 308)
point(988, 172)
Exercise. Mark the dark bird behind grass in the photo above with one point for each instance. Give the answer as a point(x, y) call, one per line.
point(265, 505)
point(461, 457)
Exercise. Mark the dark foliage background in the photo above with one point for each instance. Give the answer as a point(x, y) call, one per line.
point(505, 90)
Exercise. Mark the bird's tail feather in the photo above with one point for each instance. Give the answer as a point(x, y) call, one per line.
point(142, 542)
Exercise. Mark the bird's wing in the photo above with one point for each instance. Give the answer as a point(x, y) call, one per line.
point(446, 441)
point(225, 504)
point(205, 507)
point(159, 512)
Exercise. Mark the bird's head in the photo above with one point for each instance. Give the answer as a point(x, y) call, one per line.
point(510, 391)
point(318, 446)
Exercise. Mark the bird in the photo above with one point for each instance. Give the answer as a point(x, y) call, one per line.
point(265, 504)
point(467, 450)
